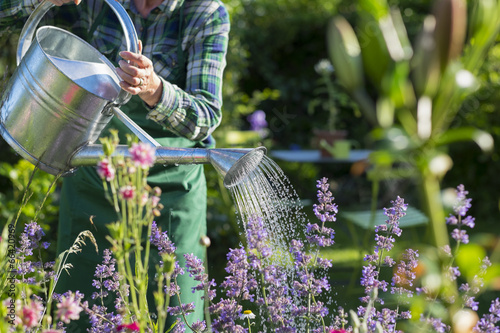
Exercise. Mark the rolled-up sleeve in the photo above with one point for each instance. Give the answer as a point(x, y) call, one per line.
point(195, 112)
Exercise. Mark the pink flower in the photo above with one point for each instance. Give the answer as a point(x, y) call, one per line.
point(339, 331)
point(144, 199)
point(127, 192)
point(69, 309)
point(52, 331)
point(155, 200)
point(30, 314)
point(134, 327)
point(105, 170)
point(143, 154)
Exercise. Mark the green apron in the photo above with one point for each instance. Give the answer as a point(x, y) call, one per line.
point(184, 197)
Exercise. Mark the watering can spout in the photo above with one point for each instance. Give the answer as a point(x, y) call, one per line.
point(233, 165)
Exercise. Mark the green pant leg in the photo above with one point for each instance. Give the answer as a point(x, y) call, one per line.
point(184, 219)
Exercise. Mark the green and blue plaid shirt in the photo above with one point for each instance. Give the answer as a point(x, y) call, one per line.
point(193, 111)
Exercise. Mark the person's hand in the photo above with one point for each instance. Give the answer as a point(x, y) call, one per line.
point(139, 77)
point(62, 2)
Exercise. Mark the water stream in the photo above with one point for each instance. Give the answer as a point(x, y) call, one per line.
point(267, 193)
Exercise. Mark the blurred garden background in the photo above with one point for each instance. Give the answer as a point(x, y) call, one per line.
point(278, 66)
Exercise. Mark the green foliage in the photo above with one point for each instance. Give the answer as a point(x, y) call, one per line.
point(38, 186)
point(275, 45)
point(417, 92)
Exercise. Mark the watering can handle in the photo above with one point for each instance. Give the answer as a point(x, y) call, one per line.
point(31, 24)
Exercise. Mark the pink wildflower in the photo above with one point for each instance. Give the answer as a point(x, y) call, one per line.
point(134, 327)
point(105, 170)
point(127, 192)
point(143, 154)
point(155, 200)
point(69, 309)
point(339, 331)
point(30, 314)
point(144, 199)
point(52, 331)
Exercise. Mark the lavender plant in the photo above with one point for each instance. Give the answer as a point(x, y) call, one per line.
point(284, 299)
point(30, 283)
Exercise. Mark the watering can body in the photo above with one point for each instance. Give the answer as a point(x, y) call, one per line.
point(45, 115)
point(61, 95)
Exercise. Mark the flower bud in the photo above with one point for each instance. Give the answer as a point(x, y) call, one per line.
point(168, 263)
point(205, 241)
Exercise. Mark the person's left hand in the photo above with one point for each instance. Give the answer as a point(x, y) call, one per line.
point(139, 77)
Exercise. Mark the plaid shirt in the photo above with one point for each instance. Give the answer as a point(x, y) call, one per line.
point(193, 112)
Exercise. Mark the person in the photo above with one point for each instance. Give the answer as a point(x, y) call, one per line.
point(175, 82)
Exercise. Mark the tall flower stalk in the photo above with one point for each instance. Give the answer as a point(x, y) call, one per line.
point(385, 319)
point(135, 203)
point(319, 236)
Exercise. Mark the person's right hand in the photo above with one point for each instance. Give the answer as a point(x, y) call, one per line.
point(62, 2)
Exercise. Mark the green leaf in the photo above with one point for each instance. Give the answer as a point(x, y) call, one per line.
point(413, 218)
point(376, 8)
point(374, 50)
point(483, 139)
point(469, 259)
point(345, 53)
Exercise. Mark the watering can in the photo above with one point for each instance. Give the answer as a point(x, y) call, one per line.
point(64, 92)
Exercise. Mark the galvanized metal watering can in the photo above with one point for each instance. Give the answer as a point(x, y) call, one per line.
point(64, 92)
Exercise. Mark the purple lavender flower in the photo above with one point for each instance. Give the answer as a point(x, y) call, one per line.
point(257, 120)
point(277, 300)
point(307, 284)
point(100, 320)
point(199, 326)
point(108, 280)
point(179, 310)
point(30, 239)
point(460, 219)
point(240, 283)
point(326, 210)
point(460, 236)
point(371, 273)
point(179, 327)
point(161, 240)
point(405, 274)
point(387, 319)
point(390, 229)
point(463, 203)
point(453, 273)
point(370, 280)
point(436, 324)
point(196, 269)
point(488, 323)
point(471, 290)
point(227, 311)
